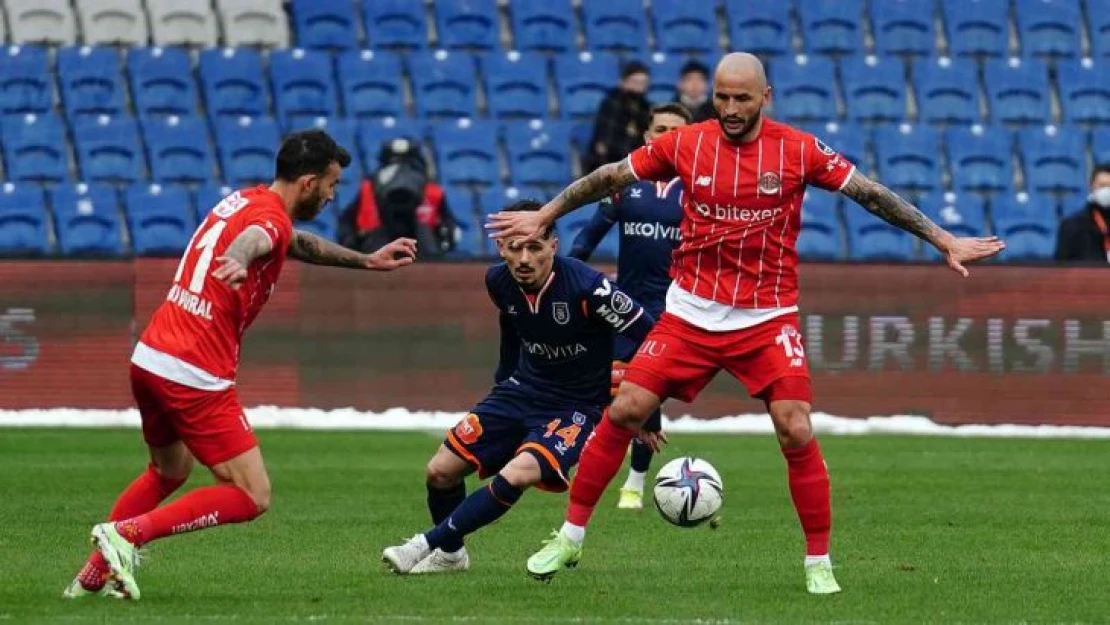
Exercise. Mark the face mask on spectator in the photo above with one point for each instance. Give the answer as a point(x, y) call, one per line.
point(1100, 197)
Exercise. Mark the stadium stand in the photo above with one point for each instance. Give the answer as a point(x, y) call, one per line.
point(983, 101)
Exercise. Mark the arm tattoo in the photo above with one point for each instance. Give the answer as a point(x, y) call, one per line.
point(888, 206)
point(251, 243)
point(604, 181)
point(309, 248)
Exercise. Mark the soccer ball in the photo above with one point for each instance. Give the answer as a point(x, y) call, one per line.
point(688, 491)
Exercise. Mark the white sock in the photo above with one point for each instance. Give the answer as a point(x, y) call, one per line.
point(576, 533)
point(810, 560)
point(635, 481)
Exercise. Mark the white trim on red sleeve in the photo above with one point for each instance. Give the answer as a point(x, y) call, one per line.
point(851, 172)
point(632, 168)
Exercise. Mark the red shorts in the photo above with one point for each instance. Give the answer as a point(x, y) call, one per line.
point(212, 424)
point(678, 359)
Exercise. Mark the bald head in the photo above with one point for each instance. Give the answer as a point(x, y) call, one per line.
point(739, 93)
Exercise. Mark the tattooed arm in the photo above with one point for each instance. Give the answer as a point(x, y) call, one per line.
point(309, 248)
point(891, 208)
point(251, 243)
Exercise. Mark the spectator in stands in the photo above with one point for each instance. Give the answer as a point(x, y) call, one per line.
point(621, 119)
point(400, 197)
point(693, 90)
point(1083, 236)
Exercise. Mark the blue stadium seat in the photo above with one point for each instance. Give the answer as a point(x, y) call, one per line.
point(904, 26)
point(947, 90)
point(24, 225)
point(108, 149)
point(373, 133)
point(247, 148)
point(1028, 225)
point(909, 157)
point(583, 80)
point(370, 83)
point(324, 24)
point(820, 238)
point(467, 152)
point(1071, 202)
point(303, 84)
point(161, 218)
point(547, 25)
point(684, 26)
point(443, 83)
point(981, 158)
point(516, 84)
point(208, 195)
point(91, 81)
point(343, 130)
point(496, 197)
point(874, 88)
point(665, 71)
point(1100, 145)
point(804, 90)
point(26, 81)
point(570, 225)
point(977, 27)
point(178, 148)
point(759, 27)
point(233, 82)
point(395, 24)
point(847, 138)
point(162, 81)
point(1098, 21)
point(35, 147)
point(1049, 27)
point(467, 23)
point(832, 26)
point(616, 25)
point(1054, 161)
point(872, 239)
point(1018, 91)
point(964, 215)
point(539, 152)
point(1085, 91)
point(87, 219)
point(471, 237)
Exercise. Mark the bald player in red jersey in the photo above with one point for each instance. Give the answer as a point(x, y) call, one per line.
point(183, 367)
point(733, 302)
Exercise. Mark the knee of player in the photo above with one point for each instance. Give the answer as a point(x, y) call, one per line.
point(793, 426)
point(437, 476)
point(523, 472)
point(629, 410)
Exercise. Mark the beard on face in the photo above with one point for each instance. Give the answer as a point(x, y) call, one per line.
point(310, 206)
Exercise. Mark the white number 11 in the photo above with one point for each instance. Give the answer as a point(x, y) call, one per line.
point(207, 245)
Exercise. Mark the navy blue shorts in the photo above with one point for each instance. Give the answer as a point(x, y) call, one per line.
point(510, 421)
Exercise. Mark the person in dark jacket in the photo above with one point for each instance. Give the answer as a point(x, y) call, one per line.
point(621, 119)
point(693, 90)
point(1084, 236)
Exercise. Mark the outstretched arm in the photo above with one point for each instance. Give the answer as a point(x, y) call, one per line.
point(604, 181)
point(309, 248)
point(251, 244)
point(890, 207)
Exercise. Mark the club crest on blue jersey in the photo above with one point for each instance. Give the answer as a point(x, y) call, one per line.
point(561, 312)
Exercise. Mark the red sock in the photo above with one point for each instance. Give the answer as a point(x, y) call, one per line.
point(141, 496)
point(198, 509)
point(809, 487)
point(601, 460)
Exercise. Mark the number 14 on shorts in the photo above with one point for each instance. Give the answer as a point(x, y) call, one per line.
point(568, 435)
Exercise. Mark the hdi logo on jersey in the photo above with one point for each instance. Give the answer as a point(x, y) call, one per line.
point(561, 312)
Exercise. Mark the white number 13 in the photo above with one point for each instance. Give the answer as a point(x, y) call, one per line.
point(207, 247)
point(791, 343)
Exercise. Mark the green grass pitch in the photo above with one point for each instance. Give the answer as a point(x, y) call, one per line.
point(925, 530)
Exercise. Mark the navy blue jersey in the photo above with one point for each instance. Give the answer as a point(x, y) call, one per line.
point(558, 342)
point(648, 216)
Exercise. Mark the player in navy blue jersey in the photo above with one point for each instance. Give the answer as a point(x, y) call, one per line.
point(647, 215)
point(558, 317)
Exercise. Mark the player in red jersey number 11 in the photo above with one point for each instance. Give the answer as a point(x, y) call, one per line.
point(733, 301)
point(184, 366)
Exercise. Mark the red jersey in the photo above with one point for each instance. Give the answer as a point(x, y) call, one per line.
point(742, 207)
point(195, 335)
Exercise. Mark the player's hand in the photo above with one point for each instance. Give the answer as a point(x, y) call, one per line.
point(527, 224)
point(654, 440)
point(970, 249)
point(616, 376)
point(230, 270)
point(393, 255)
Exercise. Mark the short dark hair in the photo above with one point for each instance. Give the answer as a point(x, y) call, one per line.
point(529, 205)
point(674, 108)
point(308, 152)
point(692, 66)
point(634, 67)
point(1100, 168)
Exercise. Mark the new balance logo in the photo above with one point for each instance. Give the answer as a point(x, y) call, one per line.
point(703, 181)
point(795, 362)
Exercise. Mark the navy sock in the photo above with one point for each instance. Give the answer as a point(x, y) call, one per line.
point(482, 507)
point(441, 503)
